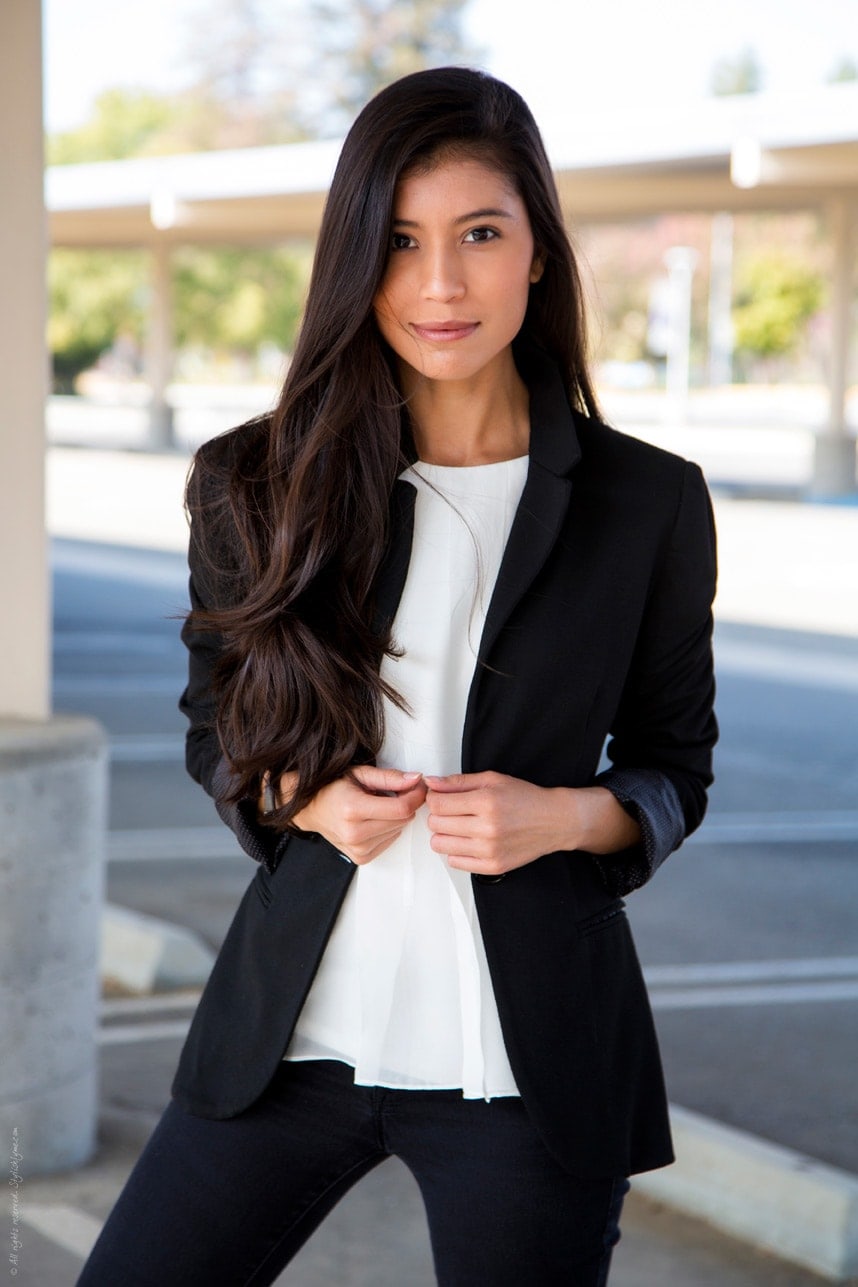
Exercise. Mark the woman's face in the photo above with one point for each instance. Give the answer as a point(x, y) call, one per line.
point(460, 266)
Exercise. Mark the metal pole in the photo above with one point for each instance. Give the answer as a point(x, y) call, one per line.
point(681, 262)
point(159, 348)
point(721, 300)
point(834, 449)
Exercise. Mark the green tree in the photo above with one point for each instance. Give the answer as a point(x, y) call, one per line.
point(244, 68)
point(741, 74)
point(776, 295)
point(124, 122)
point(237, 298)
point(244, 64)
point(363, 45)
point(845, 70)
point(95, 295)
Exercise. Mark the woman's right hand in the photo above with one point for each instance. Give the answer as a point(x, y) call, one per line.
point(362, 813)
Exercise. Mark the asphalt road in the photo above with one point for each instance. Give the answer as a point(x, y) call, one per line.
point(748, 935)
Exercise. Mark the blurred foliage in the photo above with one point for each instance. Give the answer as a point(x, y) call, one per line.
point(238, 298)
point(131, 122)
point(124, 122)
point(367, 44)
point(845, 70)
point(225, 299)
point(623, 261)
point(741, 74)
point(253, 80)
point(95, 296)
point(781, 263)
point(775, 297)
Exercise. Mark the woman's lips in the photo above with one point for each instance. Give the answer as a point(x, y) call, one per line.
point(441, 332)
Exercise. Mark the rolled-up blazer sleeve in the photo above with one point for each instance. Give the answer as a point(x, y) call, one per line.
point(665, 728)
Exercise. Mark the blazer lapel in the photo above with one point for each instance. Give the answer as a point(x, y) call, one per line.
point(554, 450)
point(390, 580)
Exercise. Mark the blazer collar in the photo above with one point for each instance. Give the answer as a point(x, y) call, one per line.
point(554, 451)
point(553, 441)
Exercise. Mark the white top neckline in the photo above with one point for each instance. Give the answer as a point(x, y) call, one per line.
point(462, 471)
point(403, 991)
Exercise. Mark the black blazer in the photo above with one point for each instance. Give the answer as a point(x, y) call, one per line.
point(599, 627)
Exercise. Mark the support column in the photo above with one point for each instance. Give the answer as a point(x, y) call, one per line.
point(159, 348)
point(834, 450)
point(721, 300)
point(24, 585)
point(53, 801)
point(52, 771)
point(681, 262)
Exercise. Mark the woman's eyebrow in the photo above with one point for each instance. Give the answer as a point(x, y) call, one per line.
point(488, 213)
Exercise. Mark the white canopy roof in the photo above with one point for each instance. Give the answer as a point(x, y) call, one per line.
point(729, 153)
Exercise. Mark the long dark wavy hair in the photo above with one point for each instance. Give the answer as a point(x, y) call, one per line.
point(292, 524)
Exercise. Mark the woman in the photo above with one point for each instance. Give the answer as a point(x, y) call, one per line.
point(424, 592)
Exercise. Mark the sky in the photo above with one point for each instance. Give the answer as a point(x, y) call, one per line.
point(562, 55)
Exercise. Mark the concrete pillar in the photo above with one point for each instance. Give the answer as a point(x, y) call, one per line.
point(721, 300)
point(52, 771)
point(24, 586)
point(53, 799)
point(159, 348)
point(681, 262)
point(834, 450)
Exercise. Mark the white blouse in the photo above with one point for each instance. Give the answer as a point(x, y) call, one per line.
point(403, 992)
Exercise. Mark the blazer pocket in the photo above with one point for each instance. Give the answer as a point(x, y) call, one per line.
point(606, 918)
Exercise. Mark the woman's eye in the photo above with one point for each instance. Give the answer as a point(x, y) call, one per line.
point(400, 241)
point(481, 234)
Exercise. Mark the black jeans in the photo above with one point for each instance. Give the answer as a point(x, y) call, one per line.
point(229, 1203)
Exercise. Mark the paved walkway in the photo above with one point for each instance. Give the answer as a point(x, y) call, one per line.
point(786, 564)
point(783, 564)
point(359, 1245)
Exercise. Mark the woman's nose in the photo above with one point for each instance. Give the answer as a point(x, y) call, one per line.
point(443, 280)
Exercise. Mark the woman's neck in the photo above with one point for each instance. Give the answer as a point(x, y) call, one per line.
point(469, 422)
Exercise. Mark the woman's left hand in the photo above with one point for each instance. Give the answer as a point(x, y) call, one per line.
point(489, 824)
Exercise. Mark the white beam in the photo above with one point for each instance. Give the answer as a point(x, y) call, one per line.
point(842, 223)
point(24, 586)
point(834, 452)
point(159, 346)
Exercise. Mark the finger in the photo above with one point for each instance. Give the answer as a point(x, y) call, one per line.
point(374, 779)
point(366, 853)
point(454, 782)
point(415, 797)
point(386, 808)
point(477, 866)
point(462, 846)
point(459, 804)
point(363, 836)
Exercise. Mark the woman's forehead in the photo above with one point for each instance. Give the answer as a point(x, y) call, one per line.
point(453, 181)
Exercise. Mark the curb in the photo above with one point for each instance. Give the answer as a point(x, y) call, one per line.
point(143, 954)
point(762, 1193)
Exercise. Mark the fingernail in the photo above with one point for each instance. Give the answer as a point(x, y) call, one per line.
point(412, 777)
